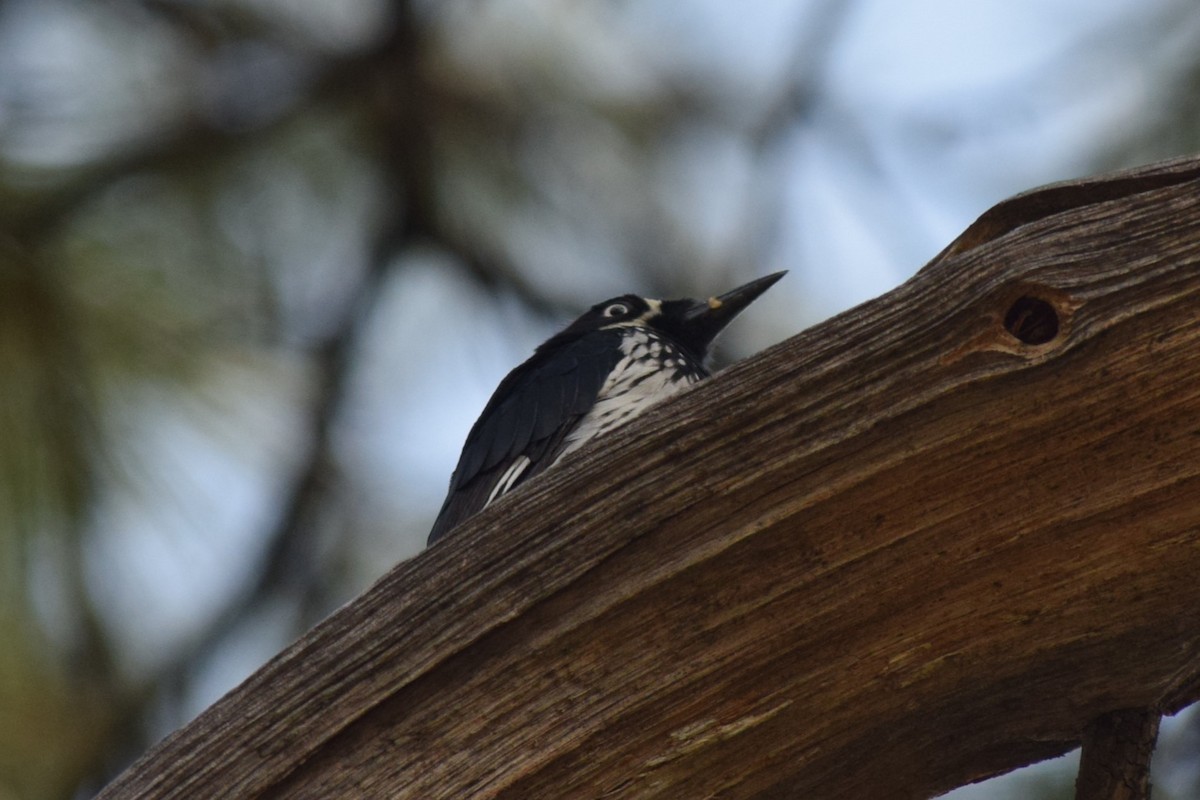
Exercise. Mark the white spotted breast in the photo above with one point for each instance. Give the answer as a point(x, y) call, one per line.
point(651, 368)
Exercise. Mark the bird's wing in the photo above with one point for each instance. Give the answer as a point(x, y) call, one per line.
point(522, 429)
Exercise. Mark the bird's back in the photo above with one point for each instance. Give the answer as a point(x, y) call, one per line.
point(523, 428)
point(564, 395)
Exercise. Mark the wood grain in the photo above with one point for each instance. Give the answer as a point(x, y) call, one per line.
point(899, 552)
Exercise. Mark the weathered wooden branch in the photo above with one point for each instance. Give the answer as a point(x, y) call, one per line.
point(1115, 761)
point(922, 543)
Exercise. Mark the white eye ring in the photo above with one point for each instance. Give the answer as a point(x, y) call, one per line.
point(615, 310)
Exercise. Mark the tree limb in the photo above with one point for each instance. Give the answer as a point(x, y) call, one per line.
point(920, 544)
point(1115, 763)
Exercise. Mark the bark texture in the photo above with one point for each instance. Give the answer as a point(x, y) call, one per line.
point(1115, 762)
point(922, 543)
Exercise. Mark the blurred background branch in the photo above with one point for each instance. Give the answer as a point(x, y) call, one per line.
point(262, 262)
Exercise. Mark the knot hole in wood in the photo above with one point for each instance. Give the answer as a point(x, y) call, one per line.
point(1032, 320)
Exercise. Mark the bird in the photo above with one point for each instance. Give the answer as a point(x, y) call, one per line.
point(609, 365)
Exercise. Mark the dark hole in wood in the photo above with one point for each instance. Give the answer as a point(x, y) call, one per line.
point(1032, 320)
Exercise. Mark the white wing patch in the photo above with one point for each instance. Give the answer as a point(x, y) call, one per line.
point(508, 478)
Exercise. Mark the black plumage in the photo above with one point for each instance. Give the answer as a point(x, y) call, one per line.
point(618, 358)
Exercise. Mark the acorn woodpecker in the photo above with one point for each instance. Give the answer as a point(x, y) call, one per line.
point(605, 368)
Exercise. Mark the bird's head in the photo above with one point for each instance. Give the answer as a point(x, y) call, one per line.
point(690, 324)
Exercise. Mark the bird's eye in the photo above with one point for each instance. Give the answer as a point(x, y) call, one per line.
point(615, 310)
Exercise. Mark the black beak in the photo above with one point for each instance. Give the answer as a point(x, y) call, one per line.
point(708, 318)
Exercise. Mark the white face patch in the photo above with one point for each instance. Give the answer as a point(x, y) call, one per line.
point(654, 311)
point(640, 321)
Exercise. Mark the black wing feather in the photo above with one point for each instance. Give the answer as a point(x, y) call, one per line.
point(530, 414)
